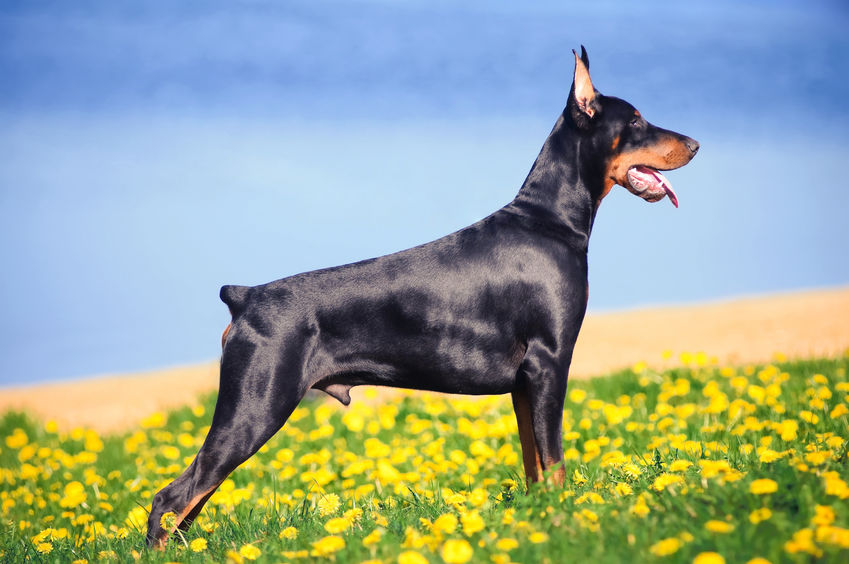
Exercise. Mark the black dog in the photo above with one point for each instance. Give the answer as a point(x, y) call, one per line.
point(494, 308)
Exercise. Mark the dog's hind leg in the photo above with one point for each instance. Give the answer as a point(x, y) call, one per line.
point(254, 400)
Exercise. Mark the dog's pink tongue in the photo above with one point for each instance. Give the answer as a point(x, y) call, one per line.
point(664, 183)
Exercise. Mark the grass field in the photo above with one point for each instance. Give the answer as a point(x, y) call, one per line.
point(699, 464)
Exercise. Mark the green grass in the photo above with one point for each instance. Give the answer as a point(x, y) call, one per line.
point(662, 467)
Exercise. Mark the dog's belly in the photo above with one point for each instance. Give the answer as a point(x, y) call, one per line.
point(461, 360)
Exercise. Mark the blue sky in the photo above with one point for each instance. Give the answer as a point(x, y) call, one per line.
point(151, 152)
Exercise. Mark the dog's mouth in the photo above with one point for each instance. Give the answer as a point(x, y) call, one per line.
point(650, 185)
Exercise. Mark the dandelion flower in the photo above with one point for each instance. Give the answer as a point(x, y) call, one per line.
point(411, 557)
point(328, 545)
point(506, 545)
point(198, 545)
point(168, 520)
point(372, 538)
point(472, 523)
point(577, 396)
point(74, 495)
point(709, 558)
point(759, 515)
point(336, 525)
point(537, 537)
point(328, 504)
point(763, 486)
point(719, 526)
point(444, 524)
point(250, 552)
point(44, 548)
point(289, 533)
point(456, 551)
point(665, 547)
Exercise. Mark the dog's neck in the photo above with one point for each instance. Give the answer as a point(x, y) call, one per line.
point(562, 190)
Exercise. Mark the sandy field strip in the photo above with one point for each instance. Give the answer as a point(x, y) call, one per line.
point(746, 330)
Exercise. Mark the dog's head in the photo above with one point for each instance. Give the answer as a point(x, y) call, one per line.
point(634, 151)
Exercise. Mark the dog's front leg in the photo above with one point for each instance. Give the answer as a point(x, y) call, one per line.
point(538, 403)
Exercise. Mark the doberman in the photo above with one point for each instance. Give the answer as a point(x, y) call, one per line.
point(494, 308)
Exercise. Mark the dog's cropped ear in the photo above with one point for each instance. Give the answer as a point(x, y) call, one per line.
point(583, 91)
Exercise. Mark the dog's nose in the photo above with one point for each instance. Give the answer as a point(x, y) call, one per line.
point(693, 145)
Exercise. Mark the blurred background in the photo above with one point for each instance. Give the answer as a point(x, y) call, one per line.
point(152, 151)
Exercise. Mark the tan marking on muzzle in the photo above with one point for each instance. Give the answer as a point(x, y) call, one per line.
point(670, 153)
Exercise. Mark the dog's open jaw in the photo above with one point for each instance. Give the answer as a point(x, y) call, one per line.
point(650, 184)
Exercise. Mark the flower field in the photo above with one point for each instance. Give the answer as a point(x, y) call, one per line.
point(702, 463)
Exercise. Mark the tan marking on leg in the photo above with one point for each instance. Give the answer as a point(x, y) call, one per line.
point(163, 538)
point(556, 470)
point(530, 454)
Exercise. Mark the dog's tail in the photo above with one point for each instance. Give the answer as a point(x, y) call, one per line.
point(235, 297)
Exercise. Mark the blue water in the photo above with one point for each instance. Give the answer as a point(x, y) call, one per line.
point(151, 153)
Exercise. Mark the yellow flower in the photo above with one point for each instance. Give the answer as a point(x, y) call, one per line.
point(198, 545)
point(666, 480)
point(444, 524)
point(328, 545)
point(153, 421)
point(74, 495)
point(372, 538)
point(809, 417)
point(137, 518)
point(233, 556)
point(665, 547)
point(817, 457)
point(835, 486)
point(537, 537)
point(708, 558)
point(472, 523)
point(577, 396)
point(17, 439)
point(680, 465)
point(577, 478)
point(824, 516)
point(839, 411)
point(759, 515)
point(763, 486)
point(802, 541)
point(411, 557)
point(507, 544)
point(758, 560)
point(336, 525)
point(328, 504)
point(788, 429)
point(250, 552)
point(768, 455)
point(623, 489)
point(456, 551)
point(640, 509)
point(44, 547)
point(168, 520)
point(170, 452)
point(289, 533)
point(719, 526)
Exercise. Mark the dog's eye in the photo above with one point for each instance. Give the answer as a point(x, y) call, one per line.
point(634, 122)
